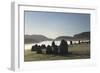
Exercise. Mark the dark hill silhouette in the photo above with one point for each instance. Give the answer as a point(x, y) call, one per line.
point(35, 38)
point(40, 38)
point(83, 35)
point(29, 40)
point(79, 36)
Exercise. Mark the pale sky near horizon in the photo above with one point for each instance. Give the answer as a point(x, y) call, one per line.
point(54, 24)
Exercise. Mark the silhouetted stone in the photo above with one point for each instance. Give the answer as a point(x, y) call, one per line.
point(43, 46)
point(55, 48)
point(39, 50)
point(79, 42)
point(71, 43)
point(63, 48)
point(33, 48)
point(49, 50)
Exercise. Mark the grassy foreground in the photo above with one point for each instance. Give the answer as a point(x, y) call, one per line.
point(77, 51)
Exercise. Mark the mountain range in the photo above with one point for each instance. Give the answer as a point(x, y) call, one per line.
point(40, 38)
point(79, 36)
point(35, 38)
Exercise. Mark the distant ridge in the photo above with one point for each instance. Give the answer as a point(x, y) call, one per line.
point(83, 35)
point(40, 38)
point(35, 38)
point(79, 36)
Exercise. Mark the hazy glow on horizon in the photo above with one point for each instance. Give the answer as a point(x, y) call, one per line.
point(54, 24)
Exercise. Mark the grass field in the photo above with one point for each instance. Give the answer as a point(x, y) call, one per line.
point(76, 51)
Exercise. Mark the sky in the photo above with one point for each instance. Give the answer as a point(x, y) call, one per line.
point(54, 24)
